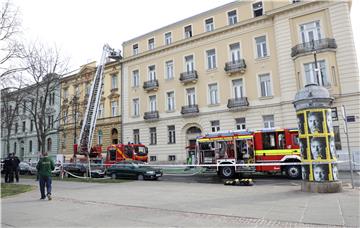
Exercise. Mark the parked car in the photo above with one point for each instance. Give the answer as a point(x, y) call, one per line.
point(79, 169)
point(56, 171)
point(26, 168)
point(133, 170)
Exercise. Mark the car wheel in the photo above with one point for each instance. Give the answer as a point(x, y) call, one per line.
point(140, 177)
point(113, 176)
point(293, 171)
point(227, 172)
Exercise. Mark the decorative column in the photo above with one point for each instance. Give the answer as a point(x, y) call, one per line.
point(316, 138)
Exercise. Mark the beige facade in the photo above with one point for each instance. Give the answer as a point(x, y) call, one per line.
point(74, 97)
point(213, 72)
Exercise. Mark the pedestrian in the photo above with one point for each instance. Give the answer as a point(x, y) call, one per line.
point(7, 168)
point(44, 167)
point(15, 164)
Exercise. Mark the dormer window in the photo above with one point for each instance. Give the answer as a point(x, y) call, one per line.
point(151, 43)
point(258, 9)
point(135, 49)
point(188, 31)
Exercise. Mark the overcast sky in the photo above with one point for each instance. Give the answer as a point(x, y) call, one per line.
point(81, 27)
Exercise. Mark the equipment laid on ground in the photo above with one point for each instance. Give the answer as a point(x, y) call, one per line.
point(244, 151)
point(240, 182)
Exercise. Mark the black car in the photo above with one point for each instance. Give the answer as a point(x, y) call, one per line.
point(130, 169)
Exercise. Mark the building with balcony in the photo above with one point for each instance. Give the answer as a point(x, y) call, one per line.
point(75, 89)
point(234, 67)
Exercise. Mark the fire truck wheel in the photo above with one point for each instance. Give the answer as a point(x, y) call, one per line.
point(293, 171)
point(140, 177)
point(227, 172)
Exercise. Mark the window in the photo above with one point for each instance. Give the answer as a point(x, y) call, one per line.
point(171, 134)
point(31, 125)
point(32, 104)
point(77, 91)
point(64, 141)
point(232, 17)
point(30, 146)
point(152, 158)
point(211, 59)
point(261, 46)
point(50, 95)
point(170, 101)
point(100, 137)
point(87, 88)
point(151, 44)
point(49, 144)
point(136, 136)
point(113, 108)
point(65, 114)
point(23, 126)
point(136, 78)
point(153, 138)
point(237, 88)
point(213, 94)
point(209, 25)
point(268, 140)
point(311, 76)
point(337, 137)
point(14, 147)
point(169, 67)
point(310, 31)
point(24, 107)
point(258, 9)
point(188, 31)
point(16, 127)
point(172, 158)
point(265, 85)
point(136, 107)
point(49, 122)
point(135, 49)
point(152, 103)
point(101, 110)
point(168, 38)
point(190, 94)
point(189, 63)
point(268, 121)
point(240, 123)
point(52, 121)
point(65, 95)
point(114, 84)
point(215, 125)
point(152, 75)
point(295, 1)
point(235, 52)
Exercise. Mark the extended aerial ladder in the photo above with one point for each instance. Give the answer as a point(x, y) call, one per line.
point(89, 122)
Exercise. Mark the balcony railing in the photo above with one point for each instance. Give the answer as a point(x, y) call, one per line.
point(314, 45)
point(190, 109)
point(238, 103)
point(151, 85)
point(152, 115)
point(235, 66)
point(190, 76)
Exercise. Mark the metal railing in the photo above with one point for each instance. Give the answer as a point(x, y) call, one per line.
point(151, 115)
point(189, 76)
point(235, 66)
point(238, 102)
point(313, 45)
point(149, 85)
point(190, 109)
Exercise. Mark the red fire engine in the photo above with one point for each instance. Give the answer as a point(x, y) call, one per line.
point(118, 152)
point(242, 149)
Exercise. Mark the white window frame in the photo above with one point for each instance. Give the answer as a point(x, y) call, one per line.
point(170, 101)
point(171, 134)
point(186, 35)
point(240, 123)
point(151, 45)
point(101, 111)
point(211, 59)
point(136, 135)
point(213, 93)
point(169, 70)
point(189, 66)
point(215, 125)
point(268, 86)
point(167, 40)
point(238, 89)
point(234, 54)
point(262, 7)
point(262, 48)
point(190, 97)
point(208, 27)
point(114, 80)
point(135, 51)
point(312, 76)
point(114, 105)
point(136, 78)
point(100, 137)
point(153, 135)
point(152, 103)
point(269, 121)
point(306, 28)
point(152, 73)
point(232, 18)
point(136, 107)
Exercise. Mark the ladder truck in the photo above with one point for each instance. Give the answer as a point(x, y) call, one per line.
point(83, 147)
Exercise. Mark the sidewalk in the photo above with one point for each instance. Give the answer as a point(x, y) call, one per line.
point(164, 204)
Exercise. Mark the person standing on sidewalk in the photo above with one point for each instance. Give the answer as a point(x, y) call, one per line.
point(44, 167)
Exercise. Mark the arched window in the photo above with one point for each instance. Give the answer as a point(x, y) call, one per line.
point(49, 142)
point(100, 137)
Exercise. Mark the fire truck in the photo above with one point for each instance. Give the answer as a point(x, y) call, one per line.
point(130, 151)
point(244, 151)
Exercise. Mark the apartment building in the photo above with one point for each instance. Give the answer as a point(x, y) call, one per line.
point(75, 89)
point(237, 66)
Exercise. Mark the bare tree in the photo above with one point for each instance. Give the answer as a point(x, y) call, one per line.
point(45, 67)
point(10, 48)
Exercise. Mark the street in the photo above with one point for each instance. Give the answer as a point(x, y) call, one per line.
point(181, 202)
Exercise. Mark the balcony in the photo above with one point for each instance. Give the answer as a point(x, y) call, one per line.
point(314, 45)
point(151, 85)
point(235, 66)
point(236, 104)
point(190, 76)
point(190, 110)
point(152, 115)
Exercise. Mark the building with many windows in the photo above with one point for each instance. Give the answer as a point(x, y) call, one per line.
point(234, 67)
point(75, 89)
